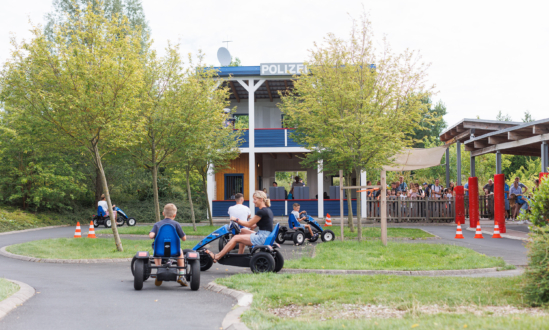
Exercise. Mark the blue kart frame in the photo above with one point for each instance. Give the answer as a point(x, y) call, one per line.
point(261, 259)
point(298, 234)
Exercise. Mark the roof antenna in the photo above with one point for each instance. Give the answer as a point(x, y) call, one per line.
point(227, 41)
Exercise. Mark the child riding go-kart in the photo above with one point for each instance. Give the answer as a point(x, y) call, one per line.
point(166, 247)
point(102, 218)
point(261, 259)
point(298, 234)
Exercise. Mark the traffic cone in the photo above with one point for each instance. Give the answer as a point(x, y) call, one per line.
point(459, 234)
point(91, 233)
point(328, 222)
point(77, 232)
point(496, 232)
point(478, 233)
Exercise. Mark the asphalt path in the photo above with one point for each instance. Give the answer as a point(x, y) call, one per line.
point(92, 296)
point(512, 251)
point(101, 296)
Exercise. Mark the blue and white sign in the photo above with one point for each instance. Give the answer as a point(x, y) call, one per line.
point(282, 69)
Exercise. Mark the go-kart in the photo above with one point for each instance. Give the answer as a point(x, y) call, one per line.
point(298, 234)
point(261, 259)
point(101, 218)
point(167, 247)
point(121, 217)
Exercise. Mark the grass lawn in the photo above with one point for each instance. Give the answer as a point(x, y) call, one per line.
point(7, 288)
point(396, 256)
point(405, 293)
point(16, 219)
point(145, 230)
point(84, 248)
point(375, 232)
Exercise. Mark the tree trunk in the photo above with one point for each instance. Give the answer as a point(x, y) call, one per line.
point(349, 203)
point(190, 199)
point(98, 186)
point(358, 208)
point(154, 170)
point(204, 183)
point(108, 197)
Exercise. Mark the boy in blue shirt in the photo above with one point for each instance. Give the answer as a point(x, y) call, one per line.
point(170, 211)
point(298, 217)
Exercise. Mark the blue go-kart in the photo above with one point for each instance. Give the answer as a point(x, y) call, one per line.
point(261, 259)
point(101, 218)
point(167, 247)
point(298, 234)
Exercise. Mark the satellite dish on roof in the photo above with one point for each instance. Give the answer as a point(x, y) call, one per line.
point(224, 56)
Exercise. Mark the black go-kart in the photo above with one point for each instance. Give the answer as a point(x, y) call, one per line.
point(298, 234)
point(261, 259)
point(143, 265)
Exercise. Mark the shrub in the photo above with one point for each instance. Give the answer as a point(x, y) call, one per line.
point(536, 288)
point(539, 205)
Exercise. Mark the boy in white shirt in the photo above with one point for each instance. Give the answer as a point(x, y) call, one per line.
point(298, 217)
point(103, 204)
point(240, 212)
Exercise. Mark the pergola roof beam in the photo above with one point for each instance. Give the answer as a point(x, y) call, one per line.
point(235, 93)
point(512, 144)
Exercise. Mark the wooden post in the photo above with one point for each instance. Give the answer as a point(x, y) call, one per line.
point(341, 191)
point(383, 207)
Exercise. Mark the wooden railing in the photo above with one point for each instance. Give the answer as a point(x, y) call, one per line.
point(426, 209)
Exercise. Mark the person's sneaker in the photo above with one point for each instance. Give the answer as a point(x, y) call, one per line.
point(521, 222)
point(157, 282)
point(182, 280)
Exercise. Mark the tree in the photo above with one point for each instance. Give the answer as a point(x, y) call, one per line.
point(235, 62)
point(82, 86)
point(501, 117)
point(359, 103)
point(527, 117)
point(431, 125)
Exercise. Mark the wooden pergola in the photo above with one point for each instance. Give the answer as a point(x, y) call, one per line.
point(487, 136)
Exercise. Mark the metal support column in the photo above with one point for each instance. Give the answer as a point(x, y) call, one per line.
point(320, 190)
point(544, 156)
point(498, 162)
point(210, 186)
point(458, 146)
point(473, 174)
point(447, 167)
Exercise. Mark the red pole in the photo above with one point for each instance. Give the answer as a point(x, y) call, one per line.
point(543, 175)
point(460, 205)
point(499, 202)
point(473, 202)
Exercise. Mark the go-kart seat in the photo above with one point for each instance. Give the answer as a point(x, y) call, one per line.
point(101, 212)
point(271, 238)
point(167, 243)
point(292, 222)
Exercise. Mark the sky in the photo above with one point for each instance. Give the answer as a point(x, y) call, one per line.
point(486, 56)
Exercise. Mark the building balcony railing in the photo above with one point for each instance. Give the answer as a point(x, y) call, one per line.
point(269, 138)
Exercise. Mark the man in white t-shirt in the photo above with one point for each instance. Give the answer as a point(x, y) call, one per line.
point(240, 212)
point(103, 204)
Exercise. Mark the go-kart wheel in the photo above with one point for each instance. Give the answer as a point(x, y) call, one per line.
point(131, 222)
point(298, 238)
point(206, 262)
point(138, 274)
point(280, 238)
point(223, 240)
point(262, 262)
point(147, 269)
point(108, 222)
point(95, 223)
point(312, 240)
point(279, 261)
point(327, 236)
point(119, 221)
point(195, 274)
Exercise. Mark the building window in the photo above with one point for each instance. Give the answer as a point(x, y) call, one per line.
point(234, 184)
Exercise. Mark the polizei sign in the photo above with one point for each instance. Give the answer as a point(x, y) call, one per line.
point(282, 69)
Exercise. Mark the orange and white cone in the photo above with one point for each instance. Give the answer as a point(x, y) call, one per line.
point(78, 232)
point(328, 222)
point(478, 233)
point(91, 233)
point(496, 232)
point(459, 234)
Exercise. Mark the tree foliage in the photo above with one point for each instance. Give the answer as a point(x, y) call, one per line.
point(359, 103)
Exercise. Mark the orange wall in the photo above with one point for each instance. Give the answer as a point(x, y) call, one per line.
point(239, 165)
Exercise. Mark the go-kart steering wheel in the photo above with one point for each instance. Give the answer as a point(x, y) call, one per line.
point(234, 225)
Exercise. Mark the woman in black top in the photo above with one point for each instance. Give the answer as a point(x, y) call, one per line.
point(263, 220)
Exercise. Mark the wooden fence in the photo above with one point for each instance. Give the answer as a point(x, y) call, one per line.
point(426, 209)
